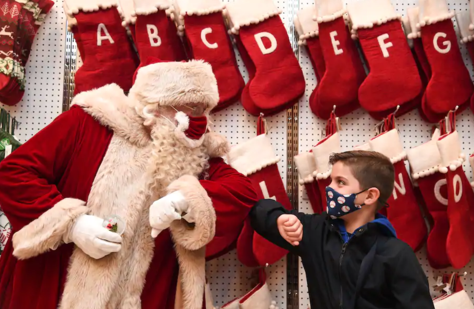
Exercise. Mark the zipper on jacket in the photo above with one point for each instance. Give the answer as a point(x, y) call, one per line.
point(344, 246)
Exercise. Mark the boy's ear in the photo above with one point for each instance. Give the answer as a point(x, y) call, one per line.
point(373, 195)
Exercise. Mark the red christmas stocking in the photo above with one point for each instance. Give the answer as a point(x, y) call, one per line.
point(108, 56)
point(259, 297)
point(208, 40)
point(458, 246)
point(450, 84)
point(23, 22)
point(264, 37)
point(257, 160)
point(403, 211)
point(425, 161)
point(344, 71)
point(155, 33)
point(306, 169)
point(393, 79)
point(321, 152)
point(415, 35)
point(308, 33)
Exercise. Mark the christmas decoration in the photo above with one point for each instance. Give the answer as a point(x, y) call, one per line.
point(464, 21)
point(107, 55)
point(262, 34)
point(458, 245)
point(207, 39)
point(19, 23)
point(393, 79)
point(344, 72)
point(425, 161)
point(403, 211)
point(154, 31)
point(450, 84)
point(306, 169)
point(256, 159)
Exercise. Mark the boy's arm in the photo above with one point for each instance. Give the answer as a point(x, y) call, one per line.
point(409, 283)
point(264, 216)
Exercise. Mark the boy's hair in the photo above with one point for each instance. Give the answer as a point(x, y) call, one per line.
point(371, 169)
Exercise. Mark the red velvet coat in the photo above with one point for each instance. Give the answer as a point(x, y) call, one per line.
point(61, 162)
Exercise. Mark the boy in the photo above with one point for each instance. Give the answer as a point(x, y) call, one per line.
point(351, 255)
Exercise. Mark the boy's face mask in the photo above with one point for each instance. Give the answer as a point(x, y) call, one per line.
point(339, 205)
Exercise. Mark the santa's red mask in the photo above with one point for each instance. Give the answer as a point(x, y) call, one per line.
point(190, 129)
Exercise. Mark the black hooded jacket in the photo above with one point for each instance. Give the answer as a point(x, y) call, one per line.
point(332, 259)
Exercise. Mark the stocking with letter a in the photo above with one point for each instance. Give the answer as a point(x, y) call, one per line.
point(459, 245)
point(403, 211)
point(107, 54)
point(256, 159)
point(425, 162)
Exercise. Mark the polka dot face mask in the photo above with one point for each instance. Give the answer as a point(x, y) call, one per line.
point(339, 205)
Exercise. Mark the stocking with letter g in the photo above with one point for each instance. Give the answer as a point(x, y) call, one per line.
point(256, 159)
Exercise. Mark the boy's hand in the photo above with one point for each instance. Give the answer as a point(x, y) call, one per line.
point(290, 229)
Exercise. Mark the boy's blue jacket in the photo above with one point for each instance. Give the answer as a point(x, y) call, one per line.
point(332, 259)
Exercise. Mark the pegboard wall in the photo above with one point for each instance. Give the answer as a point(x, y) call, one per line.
point(43, 97)
point(358, 128)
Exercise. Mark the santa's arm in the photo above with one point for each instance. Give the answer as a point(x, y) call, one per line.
point(232, 197)
point(218, 207)
point(37, 211)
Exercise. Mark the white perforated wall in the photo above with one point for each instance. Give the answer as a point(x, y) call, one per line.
point(358, 128)
point(44, 73)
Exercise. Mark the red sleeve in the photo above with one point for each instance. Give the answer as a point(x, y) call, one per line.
point(232, 196)
point(30, 174)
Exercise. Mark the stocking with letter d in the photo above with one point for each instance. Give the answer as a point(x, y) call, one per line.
point(256, 159)
point(459, 244)
point(425, 162)
point(403, 211)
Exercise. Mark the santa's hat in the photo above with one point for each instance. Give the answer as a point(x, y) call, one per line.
point(176, 84)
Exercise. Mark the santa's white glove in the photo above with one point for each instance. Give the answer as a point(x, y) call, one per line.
point(95, 240)
point(168, 209)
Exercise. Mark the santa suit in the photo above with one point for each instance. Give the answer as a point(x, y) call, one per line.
point(94, 160)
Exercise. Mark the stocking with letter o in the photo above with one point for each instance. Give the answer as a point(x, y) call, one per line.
point(106, 52)
point(207, 39)
point(459, 245)
point(256, 159)
point(425, 162)
point(403, 211)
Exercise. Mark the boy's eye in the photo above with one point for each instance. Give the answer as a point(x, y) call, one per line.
point(341, 182)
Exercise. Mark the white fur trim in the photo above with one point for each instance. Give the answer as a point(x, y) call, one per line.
point(147, 7)
point(413, 14)
point(433, 11)
point(48, 231)
point(370, 13)
point(199, 7)
point(449, 148)
point(424, 160)
point(329, 10)
point(253, 155)
point(305, 24)
point(260, 298)
point(126, 9)
point(306, 167)
point(457, 300)
point(321, 154)
point(74, 6)
point(113, 109)
point(463, 19)
point(176, 84)
point(389, 144)
point(247, 12)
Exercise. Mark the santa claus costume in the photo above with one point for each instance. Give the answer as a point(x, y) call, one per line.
point(135, 157)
